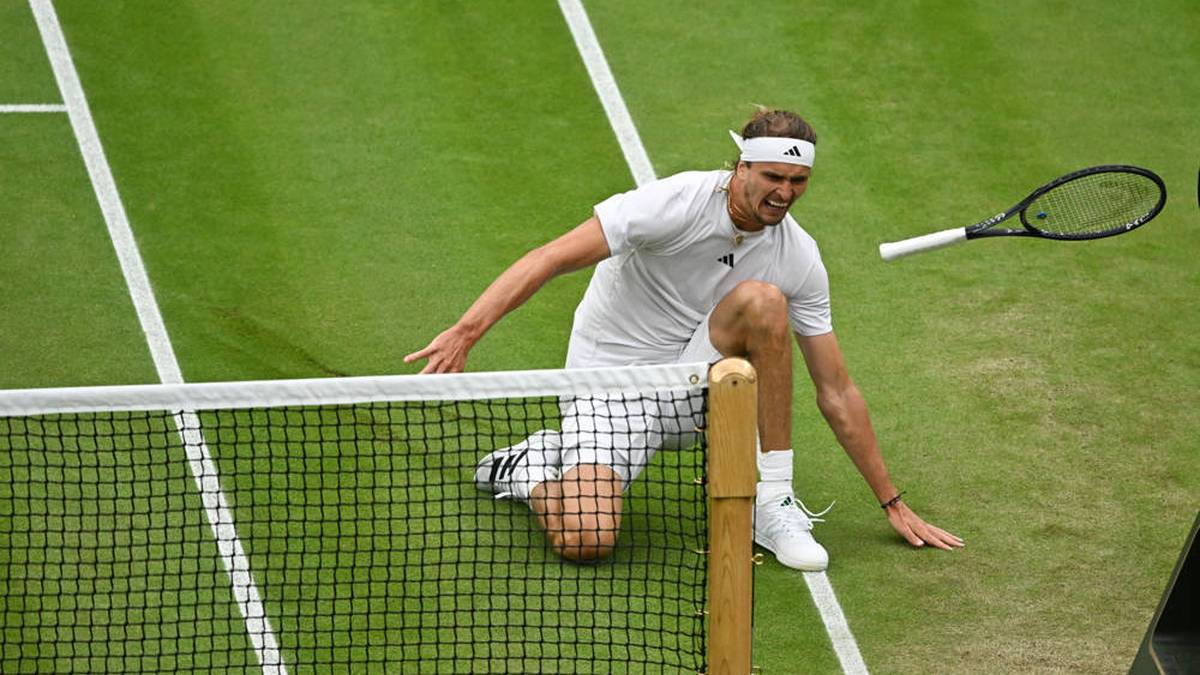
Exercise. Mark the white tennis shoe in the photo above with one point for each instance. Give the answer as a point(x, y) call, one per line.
point(514, 471)
point(783, 525)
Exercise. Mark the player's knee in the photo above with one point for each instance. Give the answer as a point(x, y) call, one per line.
point(586, 544)
point(764, 306)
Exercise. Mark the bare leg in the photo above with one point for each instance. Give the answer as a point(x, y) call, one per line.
point(581, 512)
point(752, 322)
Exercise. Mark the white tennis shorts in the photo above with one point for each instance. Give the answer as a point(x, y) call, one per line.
point(623, 433)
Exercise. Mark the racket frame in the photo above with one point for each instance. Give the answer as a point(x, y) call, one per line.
point(986, 228)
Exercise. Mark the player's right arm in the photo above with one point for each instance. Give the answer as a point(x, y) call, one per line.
point(583, 246)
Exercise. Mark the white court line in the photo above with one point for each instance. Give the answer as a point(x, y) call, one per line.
point(639, 163)
point(204, 470)
point(835, 623)
point(606, 87)
point(32, 108)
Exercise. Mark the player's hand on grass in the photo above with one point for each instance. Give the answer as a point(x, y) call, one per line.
point(446, 354)
point(918, 532)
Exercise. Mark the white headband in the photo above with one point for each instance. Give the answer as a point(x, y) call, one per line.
point(775, 149)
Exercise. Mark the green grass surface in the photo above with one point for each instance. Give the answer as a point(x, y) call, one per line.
point(68, 319)
point(319, 189)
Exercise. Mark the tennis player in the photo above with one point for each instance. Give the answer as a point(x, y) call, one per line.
point(694, 267)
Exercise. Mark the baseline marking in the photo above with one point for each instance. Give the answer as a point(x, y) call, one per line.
point(819, 587)
point(204, 470)
point(32, 108)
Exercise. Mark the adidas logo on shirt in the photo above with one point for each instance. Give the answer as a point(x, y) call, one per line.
point(727, 259)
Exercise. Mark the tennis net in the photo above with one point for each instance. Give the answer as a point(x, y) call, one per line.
point(336, 524)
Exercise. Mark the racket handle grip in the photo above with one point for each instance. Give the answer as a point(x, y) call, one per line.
point(899, 249)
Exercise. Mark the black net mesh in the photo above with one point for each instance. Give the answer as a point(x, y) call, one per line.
point(367, 539)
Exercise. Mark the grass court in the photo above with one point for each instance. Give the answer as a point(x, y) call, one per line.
point(317, 189)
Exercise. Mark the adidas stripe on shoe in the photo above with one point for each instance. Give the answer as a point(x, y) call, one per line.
point(514, 471)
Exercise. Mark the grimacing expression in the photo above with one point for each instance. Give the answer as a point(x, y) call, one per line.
point(770, 188)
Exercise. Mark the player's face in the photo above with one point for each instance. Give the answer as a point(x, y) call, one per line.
point(770, 188)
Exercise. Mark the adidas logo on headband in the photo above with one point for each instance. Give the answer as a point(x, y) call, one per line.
point(775, 149)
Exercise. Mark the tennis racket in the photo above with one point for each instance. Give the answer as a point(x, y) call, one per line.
point(1091, 203)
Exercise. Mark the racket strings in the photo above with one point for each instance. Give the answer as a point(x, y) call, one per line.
point(1092, 205)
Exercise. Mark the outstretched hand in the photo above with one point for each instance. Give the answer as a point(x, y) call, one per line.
point(918, 532)
point(447, 353)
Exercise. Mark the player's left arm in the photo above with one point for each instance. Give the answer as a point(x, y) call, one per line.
point(845, 410)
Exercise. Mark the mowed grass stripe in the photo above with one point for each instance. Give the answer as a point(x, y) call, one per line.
point(80, 517)
point(68, 318)
point(203, 470)
point(322, 202)
point(25, 76)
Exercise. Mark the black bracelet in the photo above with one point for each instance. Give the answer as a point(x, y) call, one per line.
point(892, 501)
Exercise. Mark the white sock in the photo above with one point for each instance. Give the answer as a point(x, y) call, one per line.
point(774, 474)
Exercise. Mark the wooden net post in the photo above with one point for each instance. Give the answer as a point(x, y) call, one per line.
point(732, 478)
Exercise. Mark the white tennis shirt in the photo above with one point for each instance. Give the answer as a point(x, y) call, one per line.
point(675, 255)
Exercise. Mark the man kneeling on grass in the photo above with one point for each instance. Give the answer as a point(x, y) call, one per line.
point(694, 267)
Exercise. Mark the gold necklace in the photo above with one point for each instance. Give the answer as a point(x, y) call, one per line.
point(738, 237)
